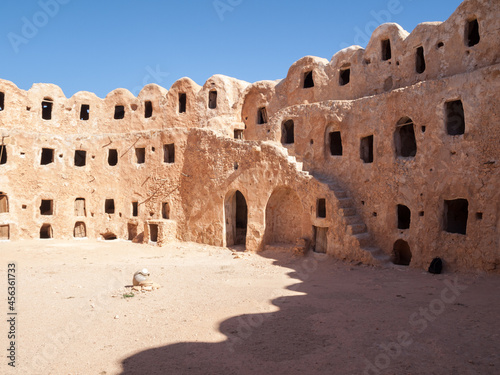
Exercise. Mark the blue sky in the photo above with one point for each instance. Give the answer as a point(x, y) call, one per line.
point(102, 45)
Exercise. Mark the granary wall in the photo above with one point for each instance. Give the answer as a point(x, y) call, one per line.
point(381, 153)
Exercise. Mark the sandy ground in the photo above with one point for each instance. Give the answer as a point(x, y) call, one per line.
point(217, 313)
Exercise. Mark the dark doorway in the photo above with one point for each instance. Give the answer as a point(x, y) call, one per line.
point(401, 253)
point(287, 132)
point(320, 239)
point(404, 217)
point(46, 231)
point(262, 116)
point(212, 99)
point(455, 117)
point(80, 231)
point(3, 154)
point(420, 60)
point(386, 49)
point(366, 149)
point(344, 75)
point(456, 213)
point(335, 140)
point(112, 157)
point(119, 112)
point(85, 112)
point(182, 102)
point(47, 156)
point(308, 80)
point(47, 109)
point(148, 109)
point(472, 33)
point(153, 232)
point(80, 158)
point(165, 210)
point(236, 213)
point(404, 138)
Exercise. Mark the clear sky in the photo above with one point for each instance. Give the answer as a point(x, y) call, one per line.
point(102, 45)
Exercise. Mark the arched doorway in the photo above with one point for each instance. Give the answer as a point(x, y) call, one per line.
point(236, 218)
point(283, 217)
point(401, 254)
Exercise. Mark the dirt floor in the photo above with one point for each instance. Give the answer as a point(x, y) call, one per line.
point(220, 313)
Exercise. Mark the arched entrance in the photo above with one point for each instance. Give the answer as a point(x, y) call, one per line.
point(236, 218)
point(283, 217)
point(401, 253)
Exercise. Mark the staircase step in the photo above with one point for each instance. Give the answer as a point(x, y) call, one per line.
point(356, 228)
point(299, 165)
point(345, 202)
point(353, 219)
point(364, 239)
point(340, 193)
point(348, 211)
point(291, 159)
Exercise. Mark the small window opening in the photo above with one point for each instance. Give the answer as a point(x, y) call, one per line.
point(421, 213)
point(119, 112)
point(80, 209)
point(165, 210)
point(386, 49)
point(479, 216)
point(366, 149)
point(321, 208)
point(420, 60)
point(212, 99)
point(80, 231)
point(109, 206)
point(47, 207)
point(47, 156)
point(401, 253)
point(112, 157)
point(287, 132)
point(404, 217)
point(335, 143)
point(47, 109)
point(455, 118)
point(46, 231)
point(2, 101)
point(456, 213)
point(135, 208)
point(4, 203)
point(24, 206)
point(140, 155)
point(262, 116)
point(80, 158)
point(169, 153)
point(440, 45)
point(182, 102)
point(344, 75)
point(153, 232)
point(3, 154)
point(308, 80)
point(4, 232)
point(148, 109)
point(404, 138)
point(472, 33)
point(84, 112)
point(238, 133)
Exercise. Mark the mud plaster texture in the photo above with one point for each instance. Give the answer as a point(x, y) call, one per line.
point(364, 132)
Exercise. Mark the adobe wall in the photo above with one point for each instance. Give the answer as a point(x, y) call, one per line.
point(294, 188)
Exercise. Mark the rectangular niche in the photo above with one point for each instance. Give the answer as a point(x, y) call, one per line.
point(366, 149)
point(320, 239)
point(140, 155)
point(169, 153)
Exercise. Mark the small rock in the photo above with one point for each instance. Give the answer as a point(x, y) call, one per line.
point(147, 288)
point(117, 317)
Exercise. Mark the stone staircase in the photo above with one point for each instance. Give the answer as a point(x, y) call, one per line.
point(355, 225)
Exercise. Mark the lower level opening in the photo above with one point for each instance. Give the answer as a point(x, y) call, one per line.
point(109, 236)
point(320, 244)
point(46, 231)
point(153, 232)
point(401, 253)
point(132, 231)
point(80, 231)
point(4, 232)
